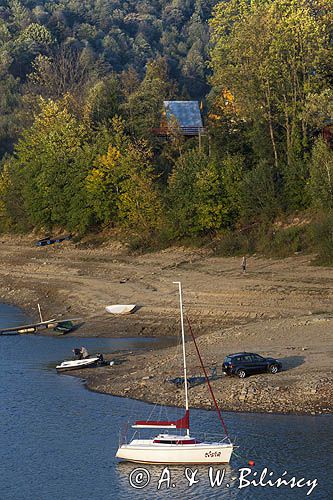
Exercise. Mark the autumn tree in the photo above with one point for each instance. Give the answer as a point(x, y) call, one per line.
point(122, 189)
point(271, 56)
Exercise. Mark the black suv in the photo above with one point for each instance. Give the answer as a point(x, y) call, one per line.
point(246, 363)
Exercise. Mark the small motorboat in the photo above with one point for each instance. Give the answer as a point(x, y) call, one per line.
point(78, 364)
point(120, 308)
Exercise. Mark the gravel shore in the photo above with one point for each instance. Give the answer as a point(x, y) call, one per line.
point(282, 308)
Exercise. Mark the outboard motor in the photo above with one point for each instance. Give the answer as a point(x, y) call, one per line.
point(100, 358)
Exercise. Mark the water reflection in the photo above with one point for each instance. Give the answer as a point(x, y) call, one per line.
point(175, 481)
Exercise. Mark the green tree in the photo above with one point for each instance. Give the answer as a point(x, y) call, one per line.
point(139, 203)
point(19, 15)
point(144, 106)
point(271, 56)
point(9, 119)
point(321, 176)
point(232, 173)
point(103, 100)
point(196, 196)
point(45, 159)
point(13, 215)
point(258, 198)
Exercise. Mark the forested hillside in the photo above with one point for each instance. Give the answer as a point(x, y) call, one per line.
point(115, 32)
point(82, 85)
point(109, 36)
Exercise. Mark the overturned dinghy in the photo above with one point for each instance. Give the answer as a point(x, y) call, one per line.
point(77, 364)
point(120, 308)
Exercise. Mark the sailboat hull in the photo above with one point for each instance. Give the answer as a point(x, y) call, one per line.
point(145, 451)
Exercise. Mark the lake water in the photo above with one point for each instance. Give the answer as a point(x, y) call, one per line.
point(58, 440)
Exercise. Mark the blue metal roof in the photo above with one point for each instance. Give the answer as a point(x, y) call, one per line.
point(187, 113)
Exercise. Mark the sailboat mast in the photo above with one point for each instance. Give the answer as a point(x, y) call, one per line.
point(183, 344)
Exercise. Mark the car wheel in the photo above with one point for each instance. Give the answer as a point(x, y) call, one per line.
point(273, 369)
point(241, 373)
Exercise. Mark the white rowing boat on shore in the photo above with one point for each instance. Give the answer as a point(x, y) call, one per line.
point(120, 308)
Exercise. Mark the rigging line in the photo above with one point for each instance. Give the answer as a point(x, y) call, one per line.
point(155, 405)
point(207, 380)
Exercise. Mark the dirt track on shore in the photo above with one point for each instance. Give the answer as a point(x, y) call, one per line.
point(283, 308)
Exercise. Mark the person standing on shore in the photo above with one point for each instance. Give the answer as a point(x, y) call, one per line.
point(244, 263)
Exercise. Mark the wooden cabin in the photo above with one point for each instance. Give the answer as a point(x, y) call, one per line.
point(183, 117)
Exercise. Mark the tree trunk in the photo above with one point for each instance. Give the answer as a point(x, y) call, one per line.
point(270, 124)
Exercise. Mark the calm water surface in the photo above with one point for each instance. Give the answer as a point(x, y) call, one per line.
point(58, 440)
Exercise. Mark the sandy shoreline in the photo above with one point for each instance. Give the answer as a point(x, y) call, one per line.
point(282, 308)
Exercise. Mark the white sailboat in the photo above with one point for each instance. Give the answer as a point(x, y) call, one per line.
point(171, 448)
